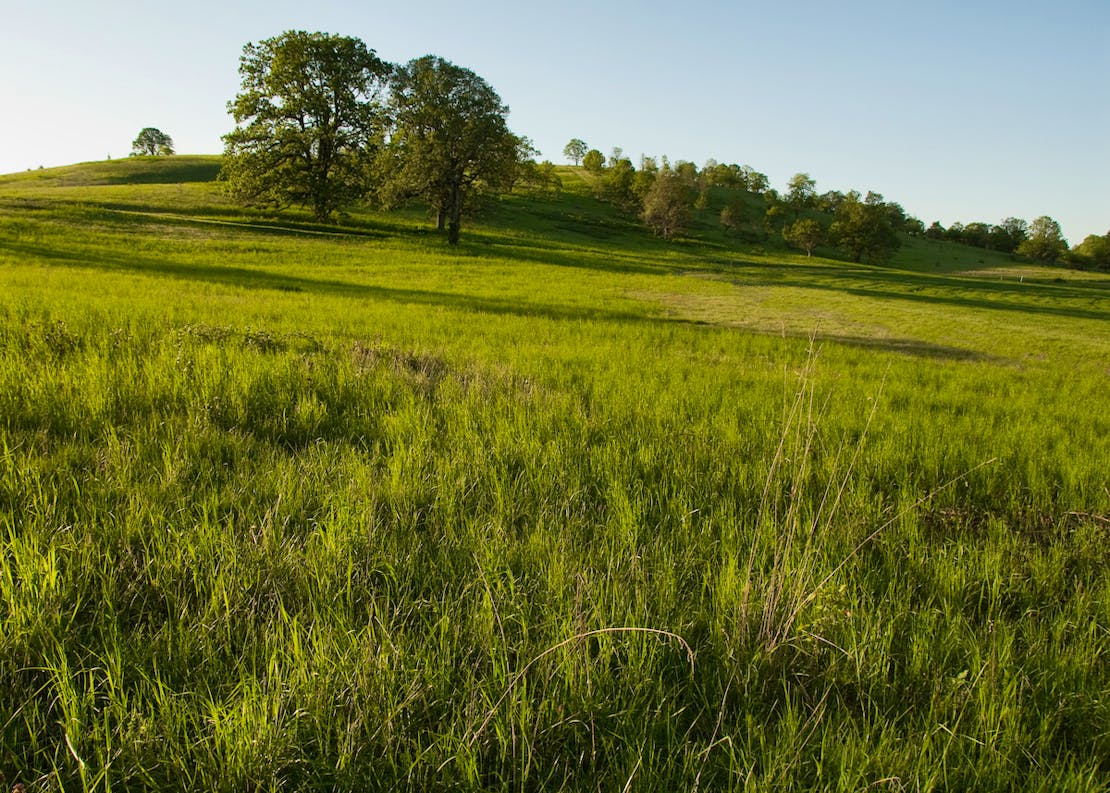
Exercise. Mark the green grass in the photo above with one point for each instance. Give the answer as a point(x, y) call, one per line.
point(290, 507)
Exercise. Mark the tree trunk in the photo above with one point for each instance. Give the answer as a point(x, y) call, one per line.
point(455, 209)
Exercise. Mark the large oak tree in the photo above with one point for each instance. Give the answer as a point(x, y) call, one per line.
point(449, 136)
point(308, 121)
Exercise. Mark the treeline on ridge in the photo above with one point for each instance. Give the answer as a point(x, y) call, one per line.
point(863, 226)
point(1042, 239)
point(664, 195)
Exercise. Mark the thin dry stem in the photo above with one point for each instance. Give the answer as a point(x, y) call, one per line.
point(556, 647)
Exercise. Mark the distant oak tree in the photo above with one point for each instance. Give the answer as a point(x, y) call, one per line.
point(575, 150)
point(593, 161)
point(1094, 251)
point(618, 184)
point(801, 192)
point(151, 141)
point(1008, 234)
point(308, 121)
point(667, 204)
point(1045, 241)
point(863, 228)
point(806, 234)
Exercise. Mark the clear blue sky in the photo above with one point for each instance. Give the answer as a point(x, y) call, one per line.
point(970, 110)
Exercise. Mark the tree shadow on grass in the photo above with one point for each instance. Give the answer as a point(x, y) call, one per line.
point(911, 347)
point(261, 225)
point(580, 257)
point(168, 170)
point(940, 290)
point(246, 278)
point(964, 301)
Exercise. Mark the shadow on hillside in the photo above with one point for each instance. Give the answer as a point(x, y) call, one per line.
point(914, 347)
point(246, 278)
point(260, 225)
point(943, 290)
point(164, 171)
point(261, 279)
point(580, 257)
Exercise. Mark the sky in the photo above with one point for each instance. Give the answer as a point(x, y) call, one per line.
point(960, 110)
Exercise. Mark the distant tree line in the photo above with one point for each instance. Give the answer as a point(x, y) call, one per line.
point(323, 123)
point(1042, 240)
point(665, 196)
point(864, 227)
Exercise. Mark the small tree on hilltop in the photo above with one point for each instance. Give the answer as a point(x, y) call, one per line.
point(152, 142)
point(593, 161)
point(575, 150)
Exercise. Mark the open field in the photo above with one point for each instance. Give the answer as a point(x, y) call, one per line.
point(289, 507)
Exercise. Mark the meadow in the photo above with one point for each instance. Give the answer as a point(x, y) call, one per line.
point(297, 507)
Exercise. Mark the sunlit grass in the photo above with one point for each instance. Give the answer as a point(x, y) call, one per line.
point(288, 510)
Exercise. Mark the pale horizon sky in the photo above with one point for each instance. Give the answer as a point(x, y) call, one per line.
point(959, 110)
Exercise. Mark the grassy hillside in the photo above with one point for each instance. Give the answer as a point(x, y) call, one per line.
point(290, 507)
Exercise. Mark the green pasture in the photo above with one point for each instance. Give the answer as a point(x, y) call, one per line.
point(296, 507)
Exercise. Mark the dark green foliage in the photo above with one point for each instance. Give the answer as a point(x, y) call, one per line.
point(542, 178)
point(830, 201)
point(1045, 241)
point(1094, 251)
point(1008, 235)
point(775, 218)
point(734, 215)
point(914, 227)
point(593, 161)
point(617, 184)
point(1005, 236)
point(449, 136)
point(644, 178)
point(667, 204)
point(864, 230)
point(753, 181)
point(152, 142)
point(308, 122)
